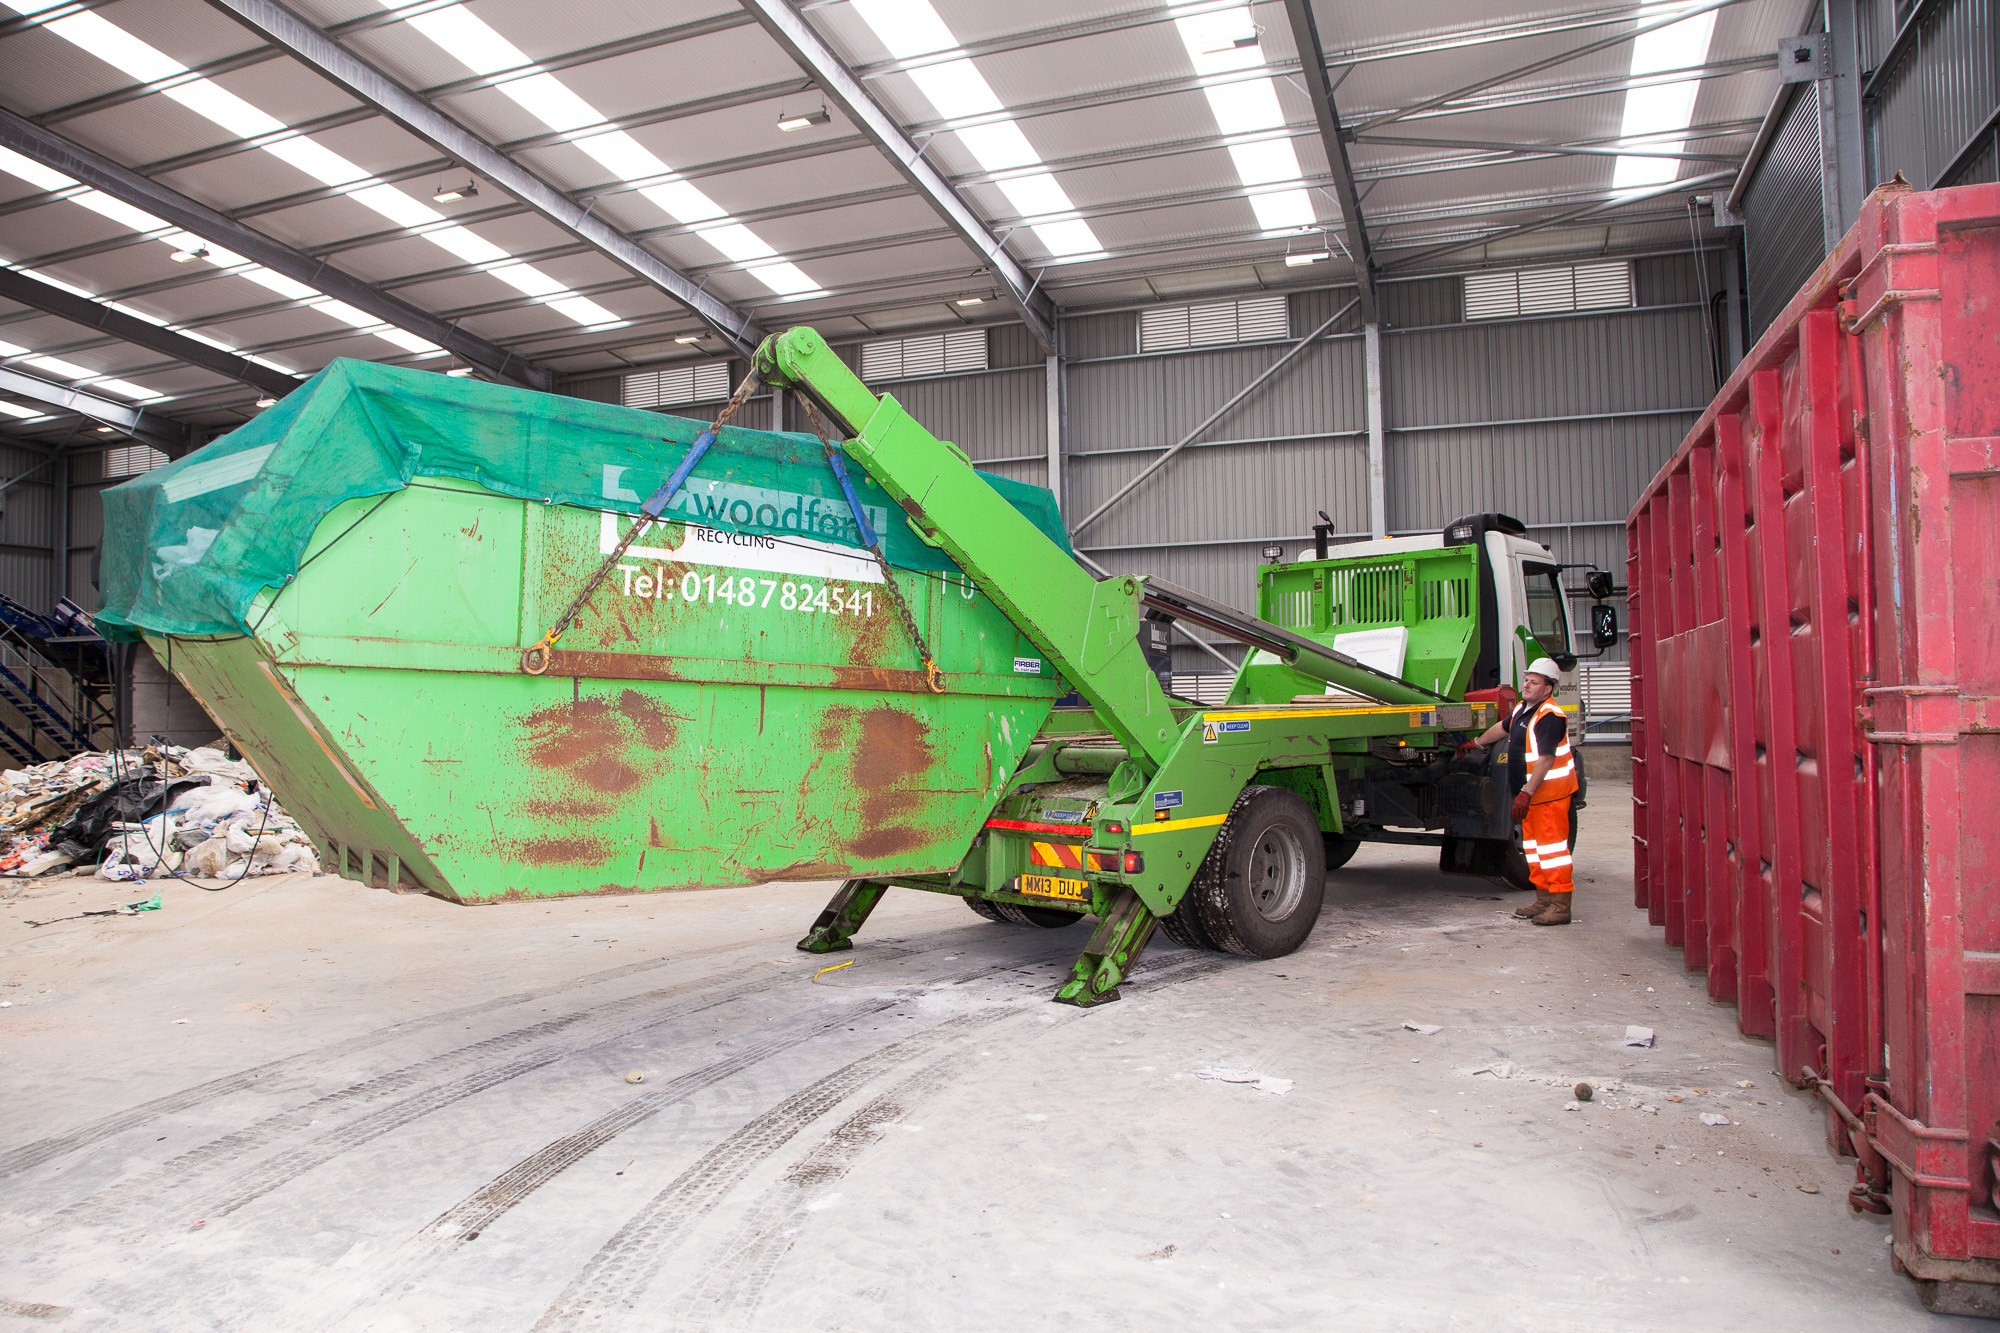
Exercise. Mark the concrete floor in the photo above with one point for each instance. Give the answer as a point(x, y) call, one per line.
point(305, 1104)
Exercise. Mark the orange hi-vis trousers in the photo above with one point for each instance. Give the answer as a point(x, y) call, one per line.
point(1545, 839)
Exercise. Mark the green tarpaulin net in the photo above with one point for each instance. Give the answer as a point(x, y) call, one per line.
point(188, 547)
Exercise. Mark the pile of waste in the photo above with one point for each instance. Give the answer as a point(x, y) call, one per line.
point(142, 813)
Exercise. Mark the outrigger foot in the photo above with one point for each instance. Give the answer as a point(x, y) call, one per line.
point(846, 912)
point(1114, 946)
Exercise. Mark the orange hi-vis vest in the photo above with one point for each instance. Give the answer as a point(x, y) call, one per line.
point(1561, 778)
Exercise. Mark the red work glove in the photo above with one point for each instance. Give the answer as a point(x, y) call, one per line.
point(1520, 806)
point(1466, 747)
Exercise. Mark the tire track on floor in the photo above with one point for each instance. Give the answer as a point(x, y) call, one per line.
point(16, 1160)
point(612, 1281)
point(732, 1285)
point(561, 1035)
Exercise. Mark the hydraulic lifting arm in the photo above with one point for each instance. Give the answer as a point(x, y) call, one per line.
point(1087, 628)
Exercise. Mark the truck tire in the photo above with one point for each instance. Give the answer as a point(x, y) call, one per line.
point(1339, 850)
point(1183, 925)
point(980, 907)
point(1259, 890)
point(1048, 918)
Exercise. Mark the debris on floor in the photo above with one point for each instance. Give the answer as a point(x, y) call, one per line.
point(1424, 1029)
point(1712, 1118)
point(1261, 1082)
point(1638, 1036)
point(136, 814)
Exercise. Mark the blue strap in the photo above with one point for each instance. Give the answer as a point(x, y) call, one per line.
point(853, 504)
point(657, 503)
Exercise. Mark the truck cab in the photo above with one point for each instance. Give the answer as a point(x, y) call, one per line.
point(1461, 612)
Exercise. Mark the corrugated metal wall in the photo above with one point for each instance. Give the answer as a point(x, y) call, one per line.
point(1783, 230)
point(27, 526)
point(1935, 107)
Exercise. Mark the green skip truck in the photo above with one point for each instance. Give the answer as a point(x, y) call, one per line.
point(1217, 824)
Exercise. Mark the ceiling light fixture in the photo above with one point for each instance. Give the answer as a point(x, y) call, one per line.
point(690, 340)
point(460, 372)
point(267, 401)
point(451, 194)
point(971, 300)
point(1243, 43)
point(106, 430)
point(189, 256)
point(820, 116)
point(1321, 250)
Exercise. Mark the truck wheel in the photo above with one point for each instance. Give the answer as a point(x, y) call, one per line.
point(1339, 851)
point(1183, 925)
point(1258, 892)
point(1048, 918)
point(980, 907)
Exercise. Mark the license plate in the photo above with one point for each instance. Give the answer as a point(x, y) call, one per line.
point(1053, 886)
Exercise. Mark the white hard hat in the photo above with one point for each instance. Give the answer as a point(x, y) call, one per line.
point(1546, 667)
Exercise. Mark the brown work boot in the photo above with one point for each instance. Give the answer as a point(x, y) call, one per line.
point(1556, 913)
point(1535, 908)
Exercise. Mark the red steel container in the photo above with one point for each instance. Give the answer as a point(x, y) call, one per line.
point(1815, 598)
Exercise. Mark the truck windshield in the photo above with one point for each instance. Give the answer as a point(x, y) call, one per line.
point(1548, 614)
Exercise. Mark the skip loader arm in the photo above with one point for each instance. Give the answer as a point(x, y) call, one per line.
point(1087, 628)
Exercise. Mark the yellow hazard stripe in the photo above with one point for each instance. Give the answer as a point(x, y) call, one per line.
point(1280, 714)
point(1175, 825)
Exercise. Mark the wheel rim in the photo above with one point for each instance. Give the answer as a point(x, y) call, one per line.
point(1277, 873)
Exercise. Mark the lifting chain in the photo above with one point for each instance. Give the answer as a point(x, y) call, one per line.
point(932, 676)
point(535, 661)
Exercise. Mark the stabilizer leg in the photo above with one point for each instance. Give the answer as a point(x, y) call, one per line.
point(1114, 946)
point(845, 914)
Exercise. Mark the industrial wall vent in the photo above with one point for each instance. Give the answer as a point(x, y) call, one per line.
point(924, 354)
point(1549, 291)
point(1255, 319)
point(130, 460)
point(699, 382)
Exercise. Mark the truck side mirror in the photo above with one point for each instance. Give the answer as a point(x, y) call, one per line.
point(1599, 583)
point(1604, 623)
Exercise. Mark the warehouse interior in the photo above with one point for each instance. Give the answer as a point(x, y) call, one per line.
point(1209, 290)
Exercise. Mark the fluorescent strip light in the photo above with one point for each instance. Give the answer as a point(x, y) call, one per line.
point(1662, 113)
point(958, 90)
point(471, 41)
point(1225, 42)
point(819, 116)
point(220, 260)
point(100, 37)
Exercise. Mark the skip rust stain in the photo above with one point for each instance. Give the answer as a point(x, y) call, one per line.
point(563, 851)
point(889, 760)
point(652, 836)
point(593, 741)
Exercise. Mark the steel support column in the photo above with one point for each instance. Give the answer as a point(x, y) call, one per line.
point(1378, 491)
point(1333, 140)
point(1054, 427)
point(1843, 150)
point(323, 55)
point(789, 28)
point(59, 543)
point(101, 173)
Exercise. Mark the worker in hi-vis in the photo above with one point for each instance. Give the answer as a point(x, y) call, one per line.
point(1542, 775)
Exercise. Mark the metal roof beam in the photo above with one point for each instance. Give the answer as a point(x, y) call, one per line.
point(1312, 59)
point(790, 30)
point(18, 286)
point(163, 433)
point(100, 173)
point(1538, 149)
point(1618, 200)
point(320, 53)
point(1546, 62)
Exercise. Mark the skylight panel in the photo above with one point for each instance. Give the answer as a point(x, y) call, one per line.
point(154, 320)
point(20, 413)
point(112, 44)
point(85, 377)
point(957, 90)
point(221, 260)
point(475, 44)
point(1662, 114)
point(1226, 41)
